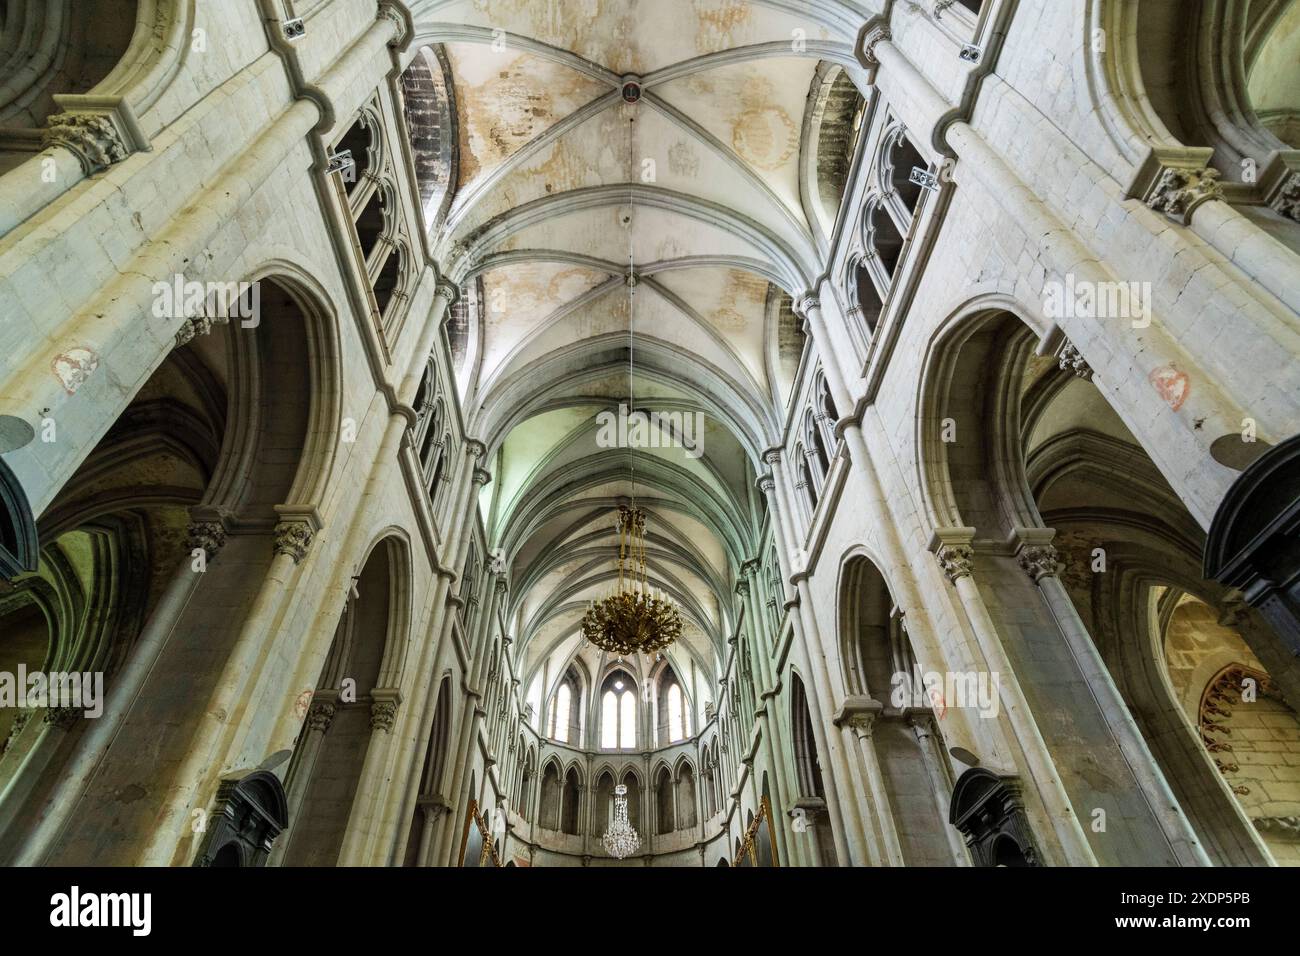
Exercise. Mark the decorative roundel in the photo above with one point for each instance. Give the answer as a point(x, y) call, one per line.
point(631, 89)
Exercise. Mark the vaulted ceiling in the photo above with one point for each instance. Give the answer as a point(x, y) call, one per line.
point(703, 185)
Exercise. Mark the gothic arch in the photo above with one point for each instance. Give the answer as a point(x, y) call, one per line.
point(1017, 465)
point(831, 129)
point(52, 51)
point(664, 793)
point(303, 423)
point(1162, 78)
point(431, 781)
point(885, 681)
point(351, 706)
point(571, 802)
point(428, 109)
point(548, 816)
point(18, 541)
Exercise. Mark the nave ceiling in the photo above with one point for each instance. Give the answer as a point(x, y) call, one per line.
point(709, 173)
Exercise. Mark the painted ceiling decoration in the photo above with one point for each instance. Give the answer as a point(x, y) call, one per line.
point(569, 114)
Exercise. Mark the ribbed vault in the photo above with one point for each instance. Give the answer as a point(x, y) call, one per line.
point(700, 182)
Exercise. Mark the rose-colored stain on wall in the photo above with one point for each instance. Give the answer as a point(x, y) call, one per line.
point(73, 367)
point(1173, 385)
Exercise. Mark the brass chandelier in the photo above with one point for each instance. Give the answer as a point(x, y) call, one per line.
point(635, 619)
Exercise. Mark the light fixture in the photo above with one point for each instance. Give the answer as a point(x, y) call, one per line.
point(621, 839)
point(635, 618)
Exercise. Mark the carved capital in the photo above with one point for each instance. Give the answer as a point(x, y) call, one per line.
point(1233, 610)
point(208, 535)
point(862, 723)
point(872, 38)
point(293, 536)
point(772, 456)
point(320, 715)
point(383, 714)
point(1178, 191)
point(446, 289)
point(1040, 560)
point(389, 11)
point(1072, 361)
point(91, 137)
point(806, 302)
point(955, 559)
point(1286, 200)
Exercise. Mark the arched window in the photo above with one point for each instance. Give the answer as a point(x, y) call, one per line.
point(674, 710)
point(817, 449)
point(562, 713)
point(675, 715)
point(866, 300)
point(618, 713)
point(902, 158)
point(566, 713)
point(805, 478)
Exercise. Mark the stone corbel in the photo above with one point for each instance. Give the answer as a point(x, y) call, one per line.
point(99, 130)
point(858, 712)
point(320, 715)
point(206, 531)
point(952, 549)
point(1036, 554)
point(383, 708)
point(296, 530)
point(1176, 181)
point(874, 32)
point(1279, 183)
point(399, 14)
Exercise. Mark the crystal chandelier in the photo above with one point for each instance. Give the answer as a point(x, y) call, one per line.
point(635, 618)
point(621, 840)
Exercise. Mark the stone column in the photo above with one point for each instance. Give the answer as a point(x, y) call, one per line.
point(953, 551)
point(941, 782)
point(319, 717)
point(228, 703)
point(1040, 561)
point(772, 747)
point(850, 829)
point(459, 759)
point(206, 538)
point(858, 717)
